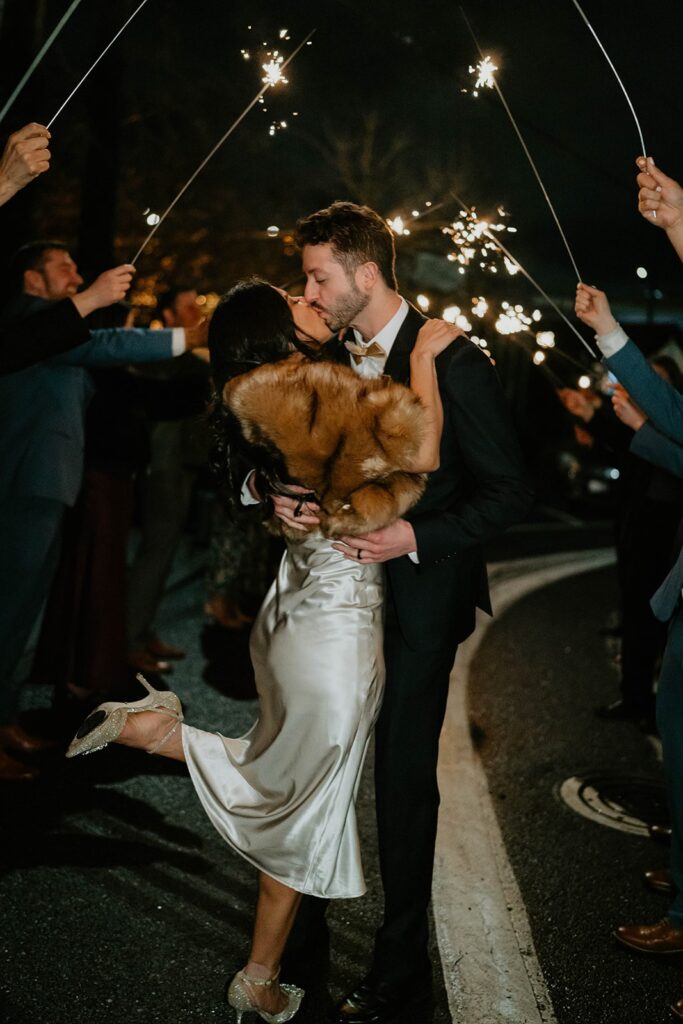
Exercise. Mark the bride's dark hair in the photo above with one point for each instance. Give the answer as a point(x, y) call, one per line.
point(251, 325)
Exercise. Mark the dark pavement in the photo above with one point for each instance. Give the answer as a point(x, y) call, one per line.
point(120, 901)
point(535, 682)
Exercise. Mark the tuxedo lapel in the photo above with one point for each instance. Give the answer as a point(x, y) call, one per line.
point(398, 361)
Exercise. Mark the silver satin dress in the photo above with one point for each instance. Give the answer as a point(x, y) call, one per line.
point(284, 794)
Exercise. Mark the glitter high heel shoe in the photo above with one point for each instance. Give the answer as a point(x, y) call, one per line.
point(239, 999)
point(106, 722)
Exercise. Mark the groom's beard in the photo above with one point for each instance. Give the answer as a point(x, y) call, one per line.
point(345, 309)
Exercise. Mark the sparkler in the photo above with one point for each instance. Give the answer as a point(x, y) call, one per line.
point(526, 150)
point(466, 234)
point(93, 66)
point(267, 85)
point(616, 75)
point(496, 240)
point(38, 57)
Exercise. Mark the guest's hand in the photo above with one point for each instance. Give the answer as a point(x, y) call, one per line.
point(379, 545)
point(660, 199)
point(592, 307)
point(627, 411)
point(198, 336)
point(297, 516)
point(26, 156)
point(433, 337)
point(109, 287)
point(577, 403)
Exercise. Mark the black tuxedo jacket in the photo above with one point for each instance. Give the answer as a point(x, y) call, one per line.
point(479, 489)
point(40, 336)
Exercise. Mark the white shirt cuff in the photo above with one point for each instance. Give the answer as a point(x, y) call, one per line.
point(612, 342)
point(178, 341)
point(246, 497)
point(414, 557)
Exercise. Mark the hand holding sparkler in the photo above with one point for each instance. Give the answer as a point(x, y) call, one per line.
point(592, 307)
point(627, 411)
point(660, 200)
point(26, 156)
point(108, 288)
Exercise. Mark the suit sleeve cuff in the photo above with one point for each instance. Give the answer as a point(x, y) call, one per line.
point(612, 342)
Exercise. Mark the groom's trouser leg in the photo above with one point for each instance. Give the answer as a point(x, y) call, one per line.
point(407, 796)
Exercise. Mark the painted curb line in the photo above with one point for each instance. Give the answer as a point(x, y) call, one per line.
point(489, 962)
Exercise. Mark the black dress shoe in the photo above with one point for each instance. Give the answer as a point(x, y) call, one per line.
point(660, 833)
point(377, 1003)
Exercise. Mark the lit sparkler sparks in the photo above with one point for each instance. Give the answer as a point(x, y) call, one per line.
point(273, 70)
point(472, 246)
point(484, 71)
point(512, 319)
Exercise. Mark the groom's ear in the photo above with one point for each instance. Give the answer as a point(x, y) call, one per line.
point(367, 276)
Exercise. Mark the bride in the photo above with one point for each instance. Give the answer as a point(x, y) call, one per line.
point(354, 451)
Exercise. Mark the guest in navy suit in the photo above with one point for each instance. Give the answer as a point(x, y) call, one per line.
point(41, 458)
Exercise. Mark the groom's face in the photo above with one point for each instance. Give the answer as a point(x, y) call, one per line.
point(329, 289)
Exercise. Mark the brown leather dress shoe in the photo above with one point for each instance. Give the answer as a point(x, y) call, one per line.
point(659, 880)
point(657, 938)
point(14, 737)
point(160, 650)
point(12, 770)
point(677, 1008)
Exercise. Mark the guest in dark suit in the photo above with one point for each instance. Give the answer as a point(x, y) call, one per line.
point(663, 406)
point(41, 459)
point(649, 508)
point(436, 577)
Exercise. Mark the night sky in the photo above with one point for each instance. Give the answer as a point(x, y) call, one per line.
point(393, 71)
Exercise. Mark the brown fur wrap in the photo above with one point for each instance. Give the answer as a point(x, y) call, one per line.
point(350, 440)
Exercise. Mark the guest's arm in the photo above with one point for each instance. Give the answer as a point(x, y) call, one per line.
point(658, 399)
point(658, 449)
point(60, 327)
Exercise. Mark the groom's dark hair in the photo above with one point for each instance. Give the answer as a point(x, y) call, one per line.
point(357, 235)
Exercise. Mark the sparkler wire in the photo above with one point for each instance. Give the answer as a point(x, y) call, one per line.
point(616, 75)
point(93, 66)
point(38, 57)
point(215, 149)
point(526, 151)
point(506, 252)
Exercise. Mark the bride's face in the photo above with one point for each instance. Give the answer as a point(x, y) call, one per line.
point(308, 323)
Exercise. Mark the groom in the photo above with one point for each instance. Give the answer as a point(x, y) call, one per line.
point(436, 577)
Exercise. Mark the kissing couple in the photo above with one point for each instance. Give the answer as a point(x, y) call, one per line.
point(378, 443)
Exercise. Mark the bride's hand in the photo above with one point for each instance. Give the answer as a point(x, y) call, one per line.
point(434, 337)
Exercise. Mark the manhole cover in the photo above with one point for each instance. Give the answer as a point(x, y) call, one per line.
point(627, 804)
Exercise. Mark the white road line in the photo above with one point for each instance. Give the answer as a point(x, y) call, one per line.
point(489, 962)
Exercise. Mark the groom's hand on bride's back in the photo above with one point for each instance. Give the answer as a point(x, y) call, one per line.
point(296, 515)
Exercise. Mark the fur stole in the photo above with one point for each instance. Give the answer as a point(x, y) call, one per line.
point(350, 440)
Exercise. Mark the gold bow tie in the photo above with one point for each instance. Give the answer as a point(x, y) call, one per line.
point(360, 352)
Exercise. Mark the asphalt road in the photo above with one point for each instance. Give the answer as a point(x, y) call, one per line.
point(120, 901)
